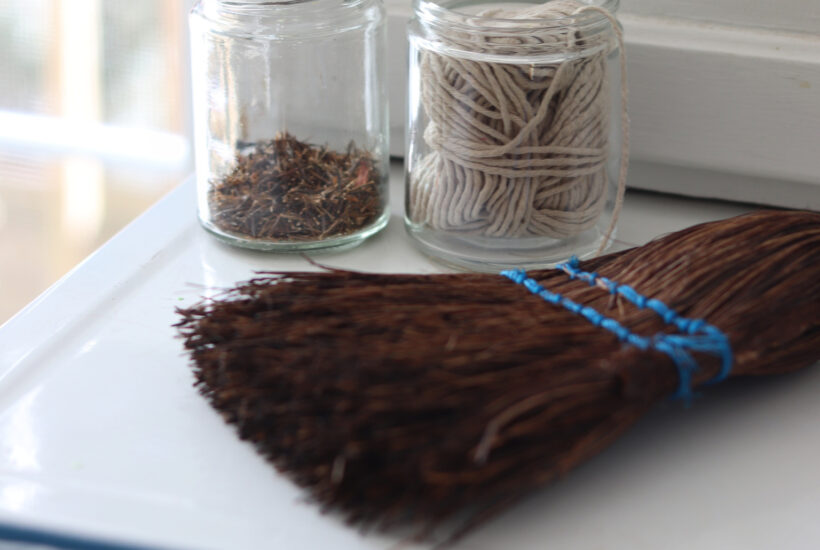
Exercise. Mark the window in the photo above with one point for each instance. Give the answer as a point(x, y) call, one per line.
point(93, 128)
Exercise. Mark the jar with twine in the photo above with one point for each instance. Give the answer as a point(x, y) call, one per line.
point(518, 134)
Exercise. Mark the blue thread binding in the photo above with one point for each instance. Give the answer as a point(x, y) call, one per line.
point(697, 335)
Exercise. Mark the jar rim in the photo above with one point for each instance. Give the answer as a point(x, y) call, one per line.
point(287, 19)
point(245, 6)
point(448, 11)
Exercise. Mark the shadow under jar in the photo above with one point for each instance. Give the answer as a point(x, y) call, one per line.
point(514, 131)
point(290, 121)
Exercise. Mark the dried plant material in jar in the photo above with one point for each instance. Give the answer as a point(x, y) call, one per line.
point(287, 190)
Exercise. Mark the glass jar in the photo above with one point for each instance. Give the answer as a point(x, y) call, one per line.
point(514, 149)
point(290, 121)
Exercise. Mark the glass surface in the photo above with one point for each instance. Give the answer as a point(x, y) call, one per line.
point(513, 142)
point(93, 129)
point(290, 112)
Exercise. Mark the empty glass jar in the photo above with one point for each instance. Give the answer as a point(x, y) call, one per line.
point(290, 121)
point(514, 141)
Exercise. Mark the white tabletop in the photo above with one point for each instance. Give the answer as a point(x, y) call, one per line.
point(103, 437)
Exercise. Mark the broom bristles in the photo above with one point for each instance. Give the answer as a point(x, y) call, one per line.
point(410, 398)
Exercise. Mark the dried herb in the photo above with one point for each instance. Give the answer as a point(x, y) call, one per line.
point(374, 391)
point(288, 190)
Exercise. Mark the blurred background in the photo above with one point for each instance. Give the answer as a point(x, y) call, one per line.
point(94, 128)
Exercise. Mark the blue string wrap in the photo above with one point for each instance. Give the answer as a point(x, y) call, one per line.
point(696, 335)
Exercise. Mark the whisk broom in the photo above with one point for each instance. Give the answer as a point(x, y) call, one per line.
point(411, 398)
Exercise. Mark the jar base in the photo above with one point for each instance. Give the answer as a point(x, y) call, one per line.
point(494, 255)
point(334, 244)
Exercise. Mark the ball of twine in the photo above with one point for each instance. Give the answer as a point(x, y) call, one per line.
point(517, 150)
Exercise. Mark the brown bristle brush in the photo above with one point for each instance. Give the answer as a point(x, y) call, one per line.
point(408, 399)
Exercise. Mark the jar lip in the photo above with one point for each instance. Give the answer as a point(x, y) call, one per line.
point(286, 19)
point(432, 11)
point(250, 6)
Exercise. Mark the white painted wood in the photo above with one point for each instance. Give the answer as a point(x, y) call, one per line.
point(711, 184)
point(788, 15)
point(723, 98)
point(104, 438)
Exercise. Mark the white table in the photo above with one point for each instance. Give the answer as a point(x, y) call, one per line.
point(103, 438)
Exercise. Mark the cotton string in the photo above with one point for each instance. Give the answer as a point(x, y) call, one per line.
point(519, 150)
point(695, 335)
